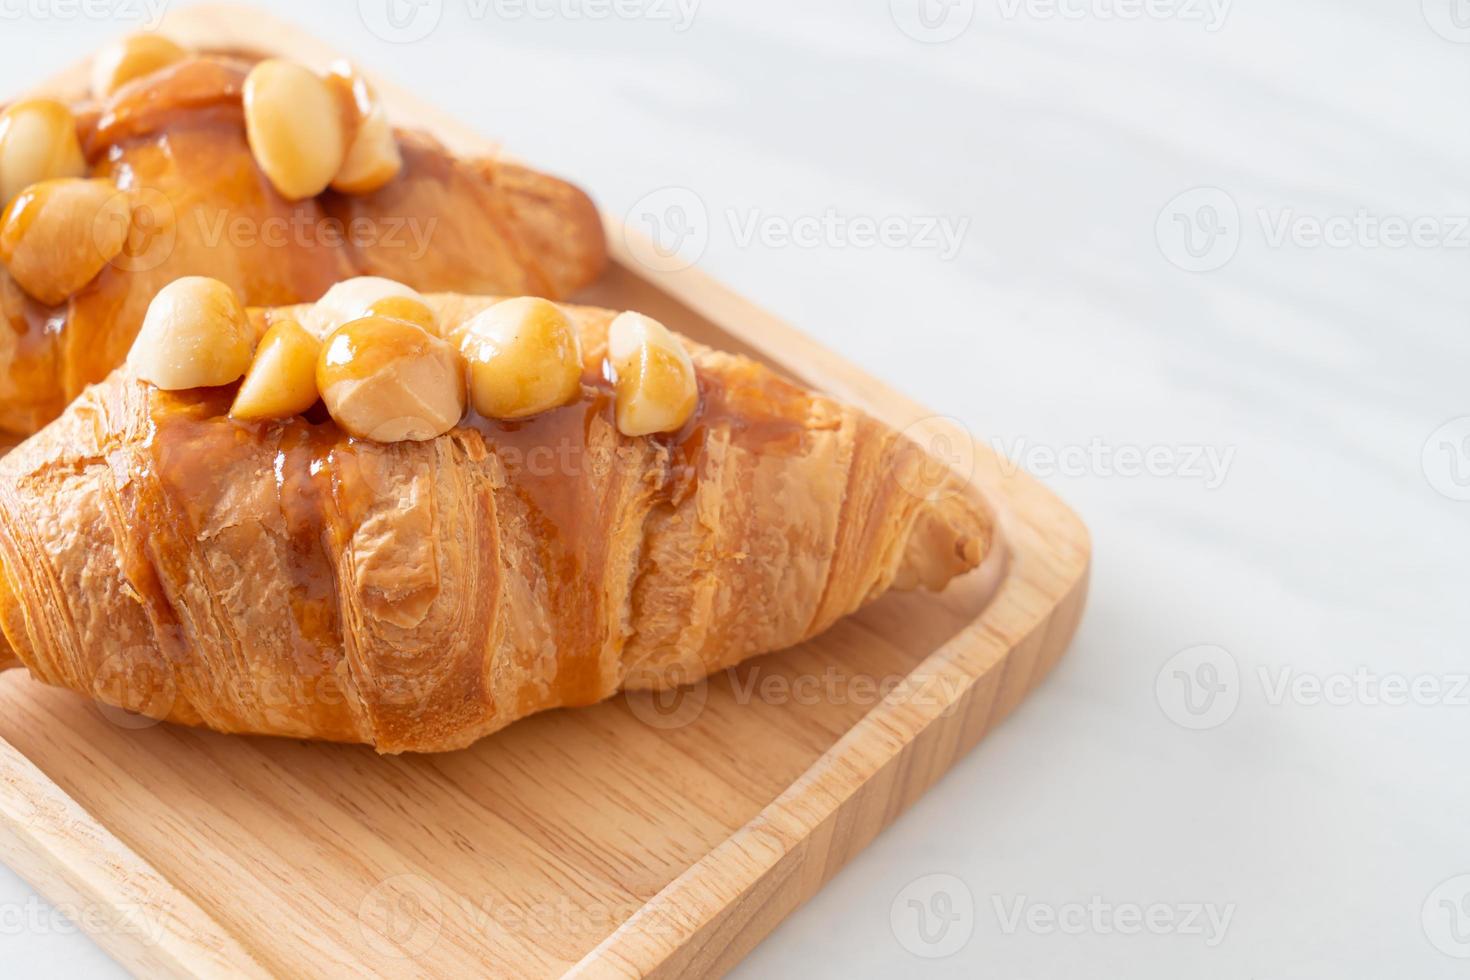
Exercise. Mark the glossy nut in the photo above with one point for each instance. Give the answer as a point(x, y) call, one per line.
point(132, 57)
point(195, 335)
point(353, 299)
point(281, 381)
point(390, 381)
point(38, 141)
point(293, 120)
point(654, 385)
point(405, 308)
point(524, 358)
point(56, 236)
point(373, 158)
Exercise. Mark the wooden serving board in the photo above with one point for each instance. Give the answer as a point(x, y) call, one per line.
point(644, 836)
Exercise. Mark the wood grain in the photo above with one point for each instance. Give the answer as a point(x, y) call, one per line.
point(644, 836)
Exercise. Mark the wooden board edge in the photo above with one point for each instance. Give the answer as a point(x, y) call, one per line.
point(125, 904)
point(720, 908)
point(707, 919)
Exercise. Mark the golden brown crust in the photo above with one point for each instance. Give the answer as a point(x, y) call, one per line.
point(175, 143)
point(284, 579)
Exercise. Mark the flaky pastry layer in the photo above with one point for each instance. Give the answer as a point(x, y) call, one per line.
point(284, 579)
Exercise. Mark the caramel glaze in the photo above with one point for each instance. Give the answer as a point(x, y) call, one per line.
point(175, 141)
point(552, 479)
point(190, 450)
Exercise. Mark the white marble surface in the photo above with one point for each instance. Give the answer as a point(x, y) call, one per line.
point(1323, 546)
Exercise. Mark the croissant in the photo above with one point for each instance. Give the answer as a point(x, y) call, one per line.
point(282, 578)
point(175, 143)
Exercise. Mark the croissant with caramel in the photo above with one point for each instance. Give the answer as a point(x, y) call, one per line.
point(194, 201)
point(284, 578)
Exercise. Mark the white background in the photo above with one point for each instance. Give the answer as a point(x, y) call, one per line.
point(1065, 324)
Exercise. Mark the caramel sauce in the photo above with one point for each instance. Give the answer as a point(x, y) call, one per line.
point(198, 454)
point(354, 101)
point(29, 393)
point(305, 465)
point(193, 445)
point(561, 466)
point(210, 90)
point(20, 215)
point(177, 145)
point(201, 206)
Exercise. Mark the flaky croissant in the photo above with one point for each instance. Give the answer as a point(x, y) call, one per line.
point(281, 578)
point(175, 143)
